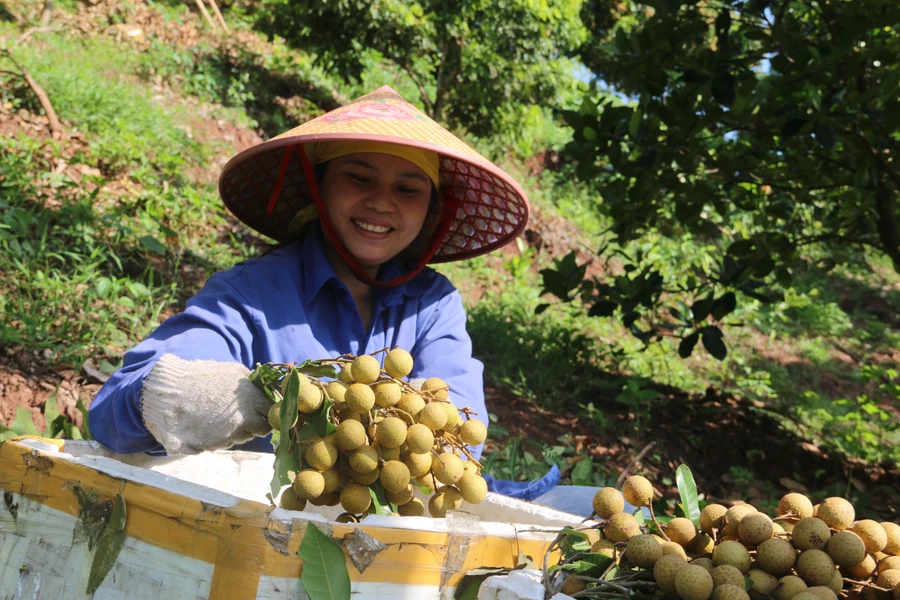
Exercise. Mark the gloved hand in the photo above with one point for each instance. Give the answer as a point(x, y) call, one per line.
point(195, 405)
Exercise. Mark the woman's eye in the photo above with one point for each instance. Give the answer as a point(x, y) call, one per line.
point(409, 191)
point(358, 178)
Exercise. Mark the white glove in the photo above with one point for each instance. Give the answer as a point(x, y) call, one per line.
point(195, 405)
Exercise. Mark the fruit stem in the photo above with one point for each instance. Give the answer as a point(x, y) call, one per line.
point(655, 522)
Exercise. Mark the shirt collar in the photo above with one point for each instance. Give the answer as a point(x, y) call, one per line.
point(318, 272)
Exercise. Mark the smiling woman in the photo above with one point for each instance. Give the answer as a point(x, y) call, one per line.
point(362, 198)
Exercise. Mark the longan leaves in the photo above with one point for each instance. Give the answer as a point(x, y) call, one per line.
point(317, 369)
point(688, 490)
point(286, 456)
point(324, 574)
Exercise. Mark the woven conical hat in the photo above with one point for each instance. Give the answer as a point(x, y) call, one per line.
point(490, 207)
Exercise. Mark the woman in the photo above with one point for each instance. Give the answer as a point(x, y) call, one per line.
point(392, 191)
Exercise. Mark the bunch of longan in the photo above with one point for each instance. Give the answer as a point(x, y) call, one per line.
point(806, 552)
point(385, 435)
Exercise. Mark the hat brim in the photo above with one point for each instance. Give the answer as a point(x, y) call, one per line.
point(491, 207)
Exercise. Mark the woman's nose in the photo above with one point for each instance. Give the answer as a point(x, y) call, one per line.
point(381, 199)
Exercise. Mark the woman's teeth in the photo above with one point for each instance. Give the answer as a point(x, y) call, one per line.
point(370, 227)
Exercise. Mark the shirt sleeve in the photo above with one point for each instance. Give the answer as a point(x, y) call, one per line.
point(444, 349)
point(217, 324)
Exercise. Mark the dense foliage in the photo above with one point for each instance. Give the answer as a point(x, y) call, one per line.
point(475, 64)
point(767, 128)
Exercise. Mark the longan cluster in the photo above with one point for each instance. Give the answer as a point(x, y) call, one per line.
point(806, 552)
point(386, 435)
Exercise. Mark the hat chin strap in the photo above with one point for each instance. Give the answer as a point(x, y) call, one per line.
point(443, 225)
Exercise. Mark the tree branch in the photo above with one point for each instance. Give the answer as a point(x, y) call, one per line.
point(426, 101)
point(55, 126)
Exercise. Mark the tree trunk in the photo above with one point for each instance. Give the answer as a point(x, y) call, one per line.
point(47, 13)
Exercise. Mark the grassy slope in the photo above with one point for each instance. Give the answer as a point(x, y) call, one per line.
point(136, 227)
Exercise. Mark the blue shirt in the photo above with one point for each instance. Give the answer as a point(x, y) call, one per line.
point(290, 306)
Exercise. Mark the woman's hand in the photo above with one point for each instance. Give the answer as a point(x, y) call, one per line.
point(193, 406)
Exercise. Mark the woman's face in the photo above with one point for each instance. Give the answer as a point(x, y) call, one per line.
point(377, 204)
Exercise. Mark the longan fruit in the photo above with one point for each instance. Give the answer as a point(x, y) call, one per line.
point(387, 394)
point(308, 484)
point(445, 499)
point(391, 432)
point(448, 468)
point(359, 398)
point(607, 502)
point(398, 363)
point(419, 438)
point(394, 476)
point(355, 498)
point(350, 435)
point(473, 488)
point(637, 491)
point(433, 416)
point(418, 463)
point(412, 403)
point(366, 369)
point(413, 508)
point(436, 388)
point(364, 459)
point(473, 432)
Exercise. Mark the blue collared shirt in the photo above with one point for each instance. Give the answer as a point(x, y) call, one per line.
point(290, 306)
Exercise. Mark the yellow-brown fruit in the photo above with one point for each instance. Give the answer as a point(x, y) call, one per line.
point(755, 528)
point(387, 394)
point(795, 504)
point(888, 562)
point(364, 459)
point(621, 527)
point(336, 390)
point(836, 512)
point(346, 374)
point(806, 595)
point(711, 517)
point(837, 583)
point(666, 570)
point(607, 502)
point(359, 398)
point(815, 567)
point(705, 562)
point(435, 387)
point(776, 556)
point(572, 585)
point(322, 455)
point(366, 369)
point(893, 538)
point(365, 478)
point(810, 533)
point(823, 592)
point(419, 439)
point(453, 420)
point(418, 464)
point(398, 363)
point(401, 497)
point(731, 552)
point(389, 453)
point(355, 498)
point(427, 481)
point(324, 499)
point(673, 548)
point(729, 591)
point(777, 528)
point(413, 508)
point(291, 501)
point(872, 534)
point(472, 487)
point(863, 570)
point(888, 579)
point(727, 574)
point(275, 417)
point(693, 583)
point(846, 549)
point(643, 551)
point(445, 499)
point(788, 587)
point(637, 491)
point(411, 403)
point(592, 536)
point(308, 484)
point(733, 518)
point(701, 544)
point(310, 399)
point(471, 467)
point(433, 416)
point(680, 530)
point(332, 479)
point(350, 435)
point(604, 547)
point(394, 476)
point(447, 467)
point(763, 584)
point(346, 517)
point(391, 432)
point(473, 432)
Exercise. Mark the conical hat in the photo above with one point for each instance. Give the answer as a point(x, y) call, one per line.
point(265, 186)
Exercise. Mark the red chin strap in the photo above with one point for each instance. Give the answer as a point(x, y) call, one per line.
point(446, 218)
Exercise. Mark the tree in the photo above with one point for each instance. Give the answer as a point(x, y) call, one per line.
point(472, 62)
point(766, 126)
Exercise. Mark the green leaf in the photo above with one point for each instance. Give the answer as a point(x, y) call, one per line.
point(324, 574)
point(23, 425)
point(581, 472)
point(319, 421)
point(283, 466)
point(712, 341)
point(688, 490)
point(724, 305)
point(379, 500)
point(317, 369)
point(686, 347)
point(85, 425)
point(108, 545)
point(152, 244)
point(51, 412)
point(288, 411)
